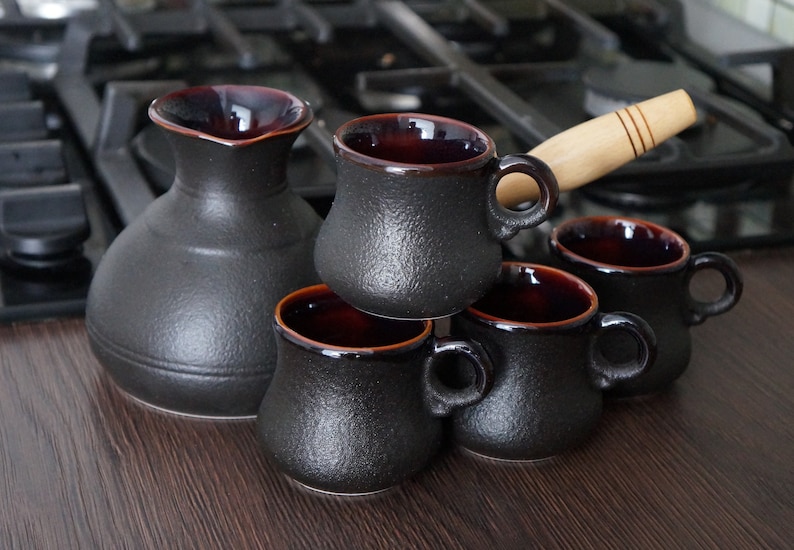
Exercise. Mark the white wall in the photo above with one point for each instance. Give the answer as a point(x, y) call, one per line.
point(773, 16)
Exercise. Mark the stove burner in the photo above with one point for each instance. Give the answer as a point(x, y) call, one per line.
point(49, 239)
point(677, 197)
point(43, 227)
point(609, 88)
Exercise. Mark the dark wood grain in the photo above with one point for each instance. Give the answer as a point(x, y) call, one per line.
point(708, 464)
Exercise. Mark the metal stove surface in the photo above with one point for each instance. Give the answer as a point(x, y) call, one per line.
point(53, 225)
point(522, 71)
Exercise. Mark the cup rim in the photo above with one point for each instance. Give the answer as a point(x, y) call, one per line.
point(337, 350)
point(557, 247)
point(395, 167)
point(564, 324)
point(301, 118)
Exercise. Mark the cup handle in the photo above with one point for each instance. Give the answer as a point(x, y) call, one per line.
point(605, 373)
point(443, 399)
point(505, 223)
point(698, 311)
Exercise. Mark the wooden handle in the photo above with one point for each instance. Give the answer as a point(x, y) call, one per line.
point(598, 146)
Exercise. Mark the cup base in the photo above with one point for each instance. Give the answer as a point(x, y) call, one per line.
point(429, 317)
point(627, 395)
point(337, 493)
point(173, 412)
point(508, 460)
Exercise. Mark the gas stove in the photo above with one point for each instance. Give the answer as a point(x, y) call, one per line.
point(79, 159)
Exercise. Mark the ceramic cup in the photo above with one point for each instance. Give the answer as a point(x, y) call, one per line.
point(356, 402)
point(541, 327)
point(638, 266)
point(415, 229)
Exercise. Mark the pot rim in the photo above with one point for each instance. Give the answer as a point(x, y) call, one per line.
point(564, 324)
point(301, 114)
point(325, 348)
point(395, 167)
point(557, 247)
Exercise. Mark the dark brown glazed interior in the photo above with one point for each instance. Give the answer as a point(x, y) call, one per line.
point(230, 113)
point(413, 139)
point(531, 294)
point(619, 242)
point(317, 317)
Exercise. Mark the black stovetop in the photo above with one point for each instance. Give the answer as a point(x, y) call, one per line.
point(521, 70)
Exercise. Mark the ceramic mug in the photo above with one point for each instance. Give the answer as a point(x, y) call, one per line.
point(541, 327)
point(415, 229)
point(642, 267)
point(356, 401)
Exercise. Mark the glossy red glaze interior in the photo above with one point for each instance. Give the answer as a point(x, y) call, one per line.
point(317, 317)
point(230, 114)
point(414, 140)
point(529, 294)
point(622, 243)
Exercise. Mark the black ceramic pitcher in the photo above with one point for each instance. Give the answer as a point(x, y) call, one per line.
point(180, 308)
point(415, 230)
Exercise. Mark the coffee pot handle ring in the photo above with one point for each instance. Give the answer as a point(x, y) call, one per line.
point(506, 222)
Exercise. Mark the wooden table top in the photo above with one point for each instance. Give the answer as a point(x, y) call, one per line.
point(708, 464)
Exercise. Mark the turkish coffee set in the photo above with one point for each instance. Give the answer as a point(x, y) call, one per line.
point(230, 297)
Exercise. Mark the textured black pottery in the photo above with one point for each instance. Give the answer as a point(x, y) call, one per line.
point(414, 231)
point(638, 266)
point(356, 403)
point(180, 309)
point(541, 327)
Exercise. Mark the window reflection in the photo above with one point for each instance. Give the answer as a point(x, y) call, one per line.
point(53, 9)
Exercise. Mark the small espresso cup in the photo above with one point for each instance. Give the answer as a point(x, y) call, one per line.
point(356, 401)
point(415, 229)
point(644, 268)
point(541, 327)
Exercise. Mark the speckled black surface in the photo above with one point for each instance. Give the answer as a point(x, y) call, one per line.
point(548, 377)
point(180, 308)
point(358, 420)
point(416, 242)
point(661, 297)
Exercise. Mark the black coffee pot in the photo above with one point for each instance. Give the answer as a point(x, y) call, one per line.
point(180, 308)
